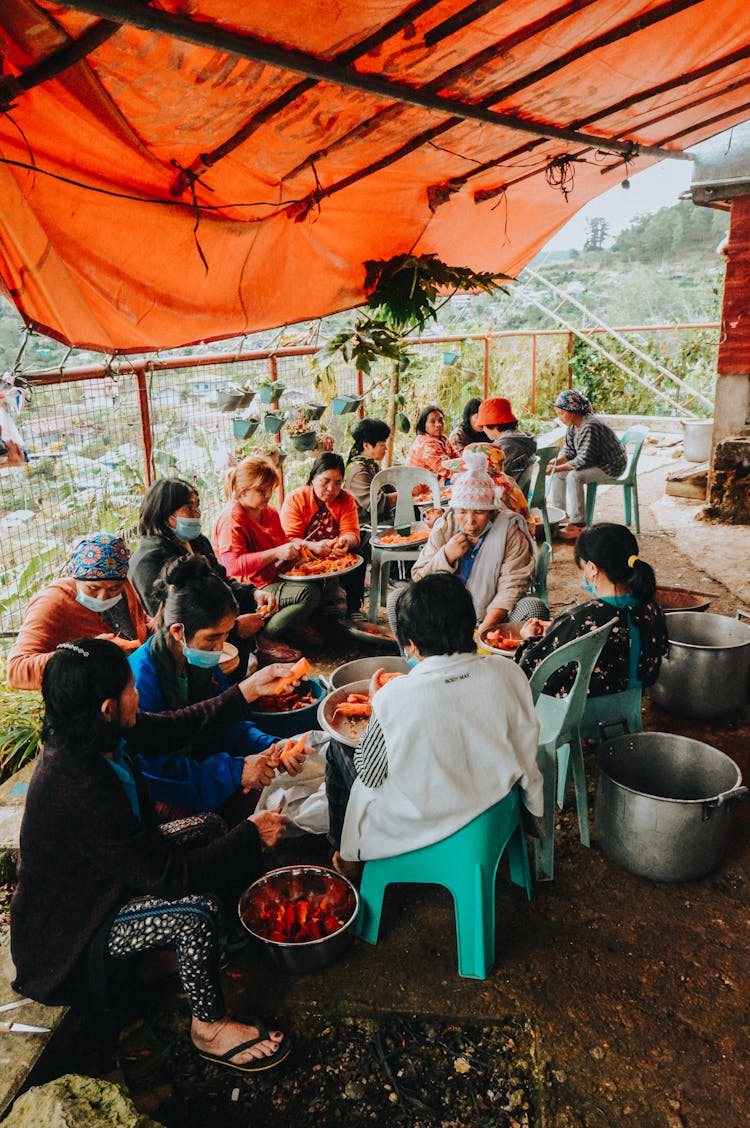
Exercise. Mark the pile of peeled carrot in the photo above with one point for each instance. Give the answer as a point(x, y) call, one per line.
point(328, 566)
point(399, 538)
point(496, 639)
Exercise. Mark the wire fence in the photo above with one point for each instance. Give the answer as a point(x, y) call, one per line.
point(97, 437)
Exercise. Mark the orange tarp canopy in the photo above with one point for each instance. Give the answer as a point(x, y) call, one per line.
point(316, 136)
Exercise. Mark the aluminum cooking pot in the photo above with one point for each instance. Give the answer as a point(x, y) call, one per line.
point(663, 804)
point(706, 671)
point(362, 669)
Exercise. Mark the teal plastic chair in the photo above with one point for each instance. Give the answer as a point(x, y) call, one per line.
point(621, 710)
point(628, 479)
point(559, 746)
point(466, 864)
point(403, 479)
point(537, 494)
point(541, 567)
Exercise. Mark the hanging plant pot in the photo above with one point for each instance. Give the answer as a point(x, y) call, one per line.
point(271, 393)
point(402, 423)
point(312, 410)
point(233, 399)
point(307, 440)
point(244, 428)
point(273, 421)
point(450, 358)
point(344, 405)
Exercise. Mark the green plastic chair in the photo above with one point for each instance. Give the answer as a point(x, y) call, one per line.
point(537, 494)
point(466, 864)
point(559, 745)
point(541, 567)
point(612, 710)
point(403, 479)
point(628, 479)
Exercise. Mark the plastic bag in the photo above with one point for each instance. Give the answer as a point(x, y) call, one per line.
point(302, 798)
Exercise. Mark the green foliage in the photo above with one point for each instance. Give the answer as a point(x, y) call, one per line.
point(405, 288)
point(597, 233)
point(21, 710)
point(366, 342)
point(675, 233)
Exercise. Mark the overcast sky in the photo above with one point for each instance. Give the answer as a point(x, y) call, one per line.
point(657, 187)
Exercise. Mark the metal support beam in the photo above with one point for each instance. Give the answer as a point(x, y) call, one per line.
point(247, 47)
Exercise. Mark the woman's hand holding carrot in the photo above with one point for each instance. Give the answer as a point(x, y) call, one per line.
point(258, 770)
point(264, 682)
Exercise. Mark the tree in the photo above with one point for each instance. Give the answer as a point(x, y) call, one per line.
point(597, 233)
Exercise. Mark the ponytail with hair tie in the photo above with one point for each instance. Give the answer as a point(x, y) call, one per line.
point(632, 561)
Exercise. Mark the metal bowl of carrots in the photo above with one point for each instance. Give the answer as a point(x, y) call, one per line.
point(289, 713)
point(503, 639)
point(361, 669)
point(303, 915)
point(344, 714)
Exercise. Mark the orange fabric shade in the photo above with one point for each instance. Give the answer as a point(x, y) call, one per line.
point(301, 179)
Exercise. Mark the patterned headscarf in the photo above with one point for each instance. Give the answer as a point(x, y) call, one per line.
point(575, 402)
point(100, 556)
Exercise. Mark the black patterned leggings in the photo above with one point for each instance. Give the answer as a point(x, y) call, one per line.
point(191, 926)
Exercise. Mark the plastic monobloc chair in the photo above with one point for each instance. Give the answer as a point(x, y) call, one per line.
point(559, 738)
point(612, 709)
point(466, 864)
point(537, 495)
point(541, 567)
point(403, 479)
point(628, 479)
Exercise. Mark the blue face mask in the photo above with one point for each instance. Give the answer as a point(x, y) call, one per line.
point(188, 528)
point(411, 660)
point(204, 659)
point(587, 586)
point(97, 605)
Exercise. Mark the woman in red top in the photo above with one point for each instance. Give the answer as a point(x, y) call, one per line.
point(324, 515)
point(252, 545)
point(432, 448)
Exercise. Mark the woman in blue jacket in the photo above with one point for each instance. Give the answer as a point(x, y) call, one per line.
point(179, 666)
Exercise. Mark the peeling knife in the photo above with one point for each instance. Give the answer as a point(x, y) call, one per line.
point(17, 1003)
point(22, 1028)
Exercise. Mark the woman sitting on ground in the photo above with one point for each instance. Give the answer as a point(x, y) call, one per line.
point(592, 453)
point(96, 599)
point(369, 438)
point(443, 744)
point(169, 528)
point(468, 430)
point(253, 547)
point(431, 449)
point(486, 545)
point(90, 845)
point(179, 666)
point(323, 516)
point(621, 587)
point(500, 426)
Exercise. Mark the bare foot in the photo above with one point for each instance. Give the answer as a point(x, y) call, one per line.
point(350, 870)
point(218, 1038)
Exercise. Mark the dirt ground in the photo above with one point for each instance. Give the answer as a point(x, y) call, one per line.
point(614, 1000)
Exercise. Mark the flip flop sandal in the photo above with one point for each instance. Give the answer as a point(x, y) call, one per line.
point(256, 1065)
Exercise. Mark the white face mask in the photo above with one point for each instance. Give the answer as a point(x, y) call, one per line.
point(97, 605)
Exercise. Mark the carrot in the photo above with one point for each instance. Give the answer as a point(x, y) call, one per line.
point(384, 678)
point(357, 698)
point(314, 566)
point(292, 750)
point(298, 671)
point(399, 538)
point(353, 709)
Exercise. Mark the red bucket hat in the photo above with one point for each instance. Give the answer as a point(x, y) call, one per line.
point(495, 411)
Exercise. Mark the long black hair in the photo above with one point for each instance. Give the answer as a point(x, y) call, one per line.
point(159, 503)
point(370, 431)
point(80, 676)
point(436, 614)
point(422, 421)
point(326, 461)
point(190, 592)
point(471, 408)
point(614, 550)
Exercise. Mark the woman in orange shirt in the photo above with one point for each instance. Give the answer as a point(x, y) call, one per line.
point(251, 544)
point(324, 515)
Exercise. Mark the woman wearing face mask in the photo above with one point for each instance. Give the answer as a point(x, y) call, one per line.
point(95, 600)
point(179, 666)
point(619, 586)
point(443, 743)
point(101, 882)
point(170, 528)
point(323, 515)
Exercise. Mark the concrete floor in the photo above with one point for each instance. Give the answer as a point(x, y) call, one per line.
point(634, 993)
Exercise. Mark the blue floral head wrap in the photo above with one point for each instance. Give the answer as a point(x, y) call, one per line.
point(575, 402)
point(100, 556)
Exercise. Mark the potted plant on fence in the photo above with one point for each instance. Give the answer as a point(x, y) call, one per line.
point(271, 391)
point(302, 435)
point(273, 421)
point(244, 428)
point(234, 397)
point(312, 410)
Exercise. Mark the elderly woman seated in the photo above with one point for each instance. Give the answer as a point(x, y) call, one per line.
point(96, 601)
point(485, 544)
point(444, 743)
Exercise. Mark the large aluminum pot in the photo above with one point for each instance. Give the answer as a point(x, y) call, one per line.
point(362, 669)
point(706, 671)
point(663, 804)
